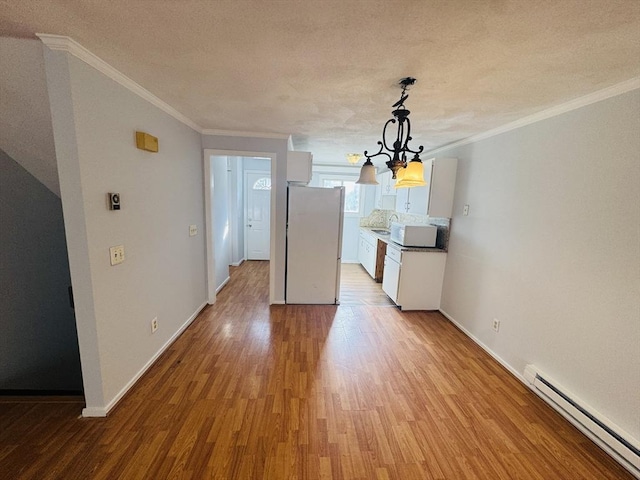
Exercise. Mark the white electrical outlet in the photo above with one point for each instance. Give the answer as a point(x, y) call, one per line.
point(193, 230)
point(465, 210)
point(117, 254)
point(154, 325)
point(496, 325)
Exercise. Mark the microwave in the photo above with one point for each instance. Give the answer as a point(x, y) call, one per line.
point(414, 235)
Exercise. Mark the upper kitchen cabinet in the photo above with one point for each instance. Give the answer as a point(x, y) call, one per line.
point(385, 191)
point(299, 167)
point(387, 184)
point(436, 197)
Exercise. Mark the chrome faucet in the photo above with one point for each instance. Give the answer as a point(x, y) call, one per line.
point(389, 221)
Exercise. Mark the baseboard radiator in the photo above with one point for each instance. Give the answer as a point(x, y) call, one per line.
point(619, 445)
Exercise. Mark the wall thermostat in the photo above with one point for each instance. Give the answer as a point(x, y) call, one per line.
point(114, 201)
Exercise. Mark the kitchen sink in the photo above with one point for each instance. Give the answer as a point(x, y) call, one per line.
point(380, 232)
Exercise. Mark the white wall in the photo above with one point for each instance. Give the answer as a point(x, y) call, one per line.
point(256, 164)
point(236, 210)
point(551, 248)
point(94, 123)
point(220, 220)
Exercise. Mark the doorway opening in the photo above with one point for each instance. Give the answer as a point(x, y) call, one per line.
point(238, 214)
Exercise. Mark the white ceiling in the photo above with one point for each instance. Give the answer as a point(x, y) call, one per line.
point(325, 71)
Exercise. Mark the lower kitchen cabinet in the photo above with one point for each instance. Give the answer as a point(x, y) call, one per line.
point(367, 252)
point(371, 253)
point(413, 279)
point(391, 275)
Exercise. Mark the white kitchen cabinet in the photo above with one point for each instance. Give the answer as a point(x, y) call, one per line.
point(413, 279)
point(387, 183)
point(299, 167)
point(436, 198)
point(367, 252)
point(385, 191)
point(391, 275)
point(402, 198)
point(413, 200)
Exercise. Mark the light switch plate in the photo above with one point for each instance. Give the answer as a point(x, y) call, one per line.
point(117, 254)
point(465, 210)
point(193, 230)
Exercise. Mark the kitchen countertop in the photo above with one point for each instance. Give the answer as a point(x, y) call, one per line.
point(388, 241)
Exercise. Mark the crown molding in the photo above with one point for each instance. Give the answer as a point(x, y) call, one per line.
point(236, 133)
point(597, 96)
point(67, 44)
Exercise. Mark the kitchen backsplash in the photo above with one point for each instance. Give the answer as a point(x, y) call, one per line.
point(380, 219)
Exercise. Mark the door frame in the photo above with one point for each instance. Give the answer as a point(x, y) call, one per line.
point(245, 212)
point(208, 186)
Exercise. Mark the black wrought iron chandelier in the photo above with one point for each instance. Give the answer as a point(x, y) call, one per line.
point(408, 174)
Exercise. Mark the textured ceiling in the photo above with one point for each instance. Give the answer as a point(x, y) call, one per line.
point(325, 71)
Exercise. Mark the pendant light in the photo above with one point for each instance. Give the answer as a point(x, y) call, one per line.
point(397, 153)
point(367, 174)
point(413, 175)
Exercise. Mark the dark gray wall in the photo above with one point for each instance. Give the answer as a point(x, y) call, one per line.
point(38, 340)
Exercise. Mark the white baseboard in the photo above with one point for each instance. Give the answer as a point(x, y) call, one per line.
point(226, 280)
point(238, 263)
point(93, 412)
point(598, 441)
point(495, 356)
point(103, 411)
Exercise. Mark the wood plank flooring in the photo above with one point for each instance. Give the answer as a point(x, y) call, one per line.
point(358, 288)
point(307, 392)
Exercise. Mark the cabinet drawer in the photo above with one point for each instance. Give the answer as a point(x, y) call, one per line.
point(394, 253)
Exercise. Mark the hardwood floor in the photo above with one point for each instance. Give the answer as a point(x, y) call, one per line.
point(358, 288)
point(307, 392)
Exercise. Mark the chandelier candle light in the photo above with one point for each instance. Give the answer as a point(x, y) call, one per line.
point(409, 174)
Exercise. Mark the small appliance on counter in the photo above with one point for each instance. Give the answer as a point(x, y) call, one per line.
point(414, 235)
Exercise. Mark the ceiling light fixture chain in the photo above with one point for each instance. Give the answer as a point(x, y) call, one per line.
point(397, 153)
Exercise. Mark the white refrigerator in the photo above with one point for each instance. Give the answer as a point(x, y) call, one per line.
point(314, 244)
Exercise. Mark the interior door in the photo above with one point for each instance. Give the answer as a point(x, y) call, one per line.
point(258, 215)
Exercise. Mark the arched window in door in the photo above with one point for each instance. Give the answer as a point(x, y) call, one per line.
point(263, 183)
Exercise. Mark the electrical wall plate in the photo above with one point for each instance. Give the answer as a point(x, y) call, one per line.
point(114, 201)
point(117, 254)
